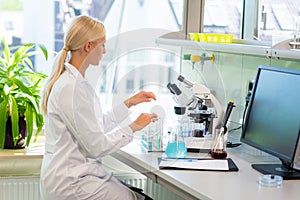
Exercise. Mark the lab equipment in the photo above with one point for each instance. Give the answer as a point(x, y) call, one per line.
point(152, 136)
point(270, 180)
point(202, 106)
point(176, 147)
point(198, 103)
point(199, 59)
point(218, 150)
point(272, 122)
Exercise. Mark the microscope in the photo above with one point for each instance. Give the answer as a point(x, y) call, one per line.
point(202, 107)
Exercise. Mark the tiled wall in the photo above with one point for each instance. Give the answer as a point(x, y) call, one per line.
point(229, 75)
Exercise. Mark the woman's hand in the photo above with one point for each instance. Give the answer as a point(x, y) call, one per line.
point(140, 97)
point(142, 121)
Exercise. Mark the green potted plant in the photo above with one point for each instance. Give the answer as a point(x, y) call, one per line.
point(20, 89)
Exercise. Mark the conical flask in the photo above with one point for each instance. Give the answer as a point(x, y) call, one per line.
point(176, 146)
point(218, 150)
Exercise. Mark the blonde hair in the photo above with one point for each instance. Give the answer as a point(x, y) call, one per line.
point(82, 29)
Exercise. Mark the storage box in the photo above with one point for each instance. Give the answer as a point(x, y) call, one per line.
point(212, 37)
point(215, 38)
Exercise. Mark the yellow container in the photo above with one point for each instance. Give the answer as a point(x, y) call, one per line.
point(194, 36)
point(215, 38)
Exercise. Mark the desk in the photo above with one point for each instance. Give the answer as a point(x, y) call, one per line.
point(241, 185)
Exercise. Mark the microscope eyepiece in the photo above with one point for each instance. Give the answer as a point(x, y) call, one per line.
point(180, 78)
point(184, 80)
point(174, 89)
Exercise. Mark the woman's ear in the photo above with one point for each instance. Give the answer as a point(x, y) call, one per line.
point(87, 46)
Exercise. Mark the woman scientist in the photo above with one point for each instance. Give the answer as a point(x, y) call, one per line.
point(76, 129)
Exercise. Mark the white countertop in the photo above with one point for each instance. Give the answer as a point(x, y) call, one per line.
point(192, 184)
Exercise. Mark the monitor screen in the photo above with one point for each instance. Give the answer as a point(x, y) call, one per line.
point(272, 122)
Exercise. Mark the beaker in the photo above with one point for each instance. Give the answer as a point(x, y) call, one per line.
point(176, 147)
point(218, 150)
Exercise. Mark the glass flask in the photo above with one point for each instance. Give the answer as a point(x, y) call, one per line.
point(218, 150)
point(176, 147)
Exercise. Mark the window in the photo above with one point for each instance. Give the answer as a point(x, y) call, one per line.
point(263, 20)
point(277, 19)
point(249, 19)
point(129, 65)
point(223, 16)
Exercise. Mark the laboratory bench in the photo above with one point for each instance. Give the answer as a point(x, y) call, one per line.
point(217, 185)
point(189, 184)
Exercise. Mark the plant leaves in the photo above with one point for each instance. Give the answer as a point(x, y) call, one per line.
point(34, 75)
point(39, 120)
point(27, 62)
point(39, 123)
point(18, 56)
point(29, 122)
point(21, 86)
point(14, 114)
point(6, 51)
point(37, 133)
point(44, 50)
point(3, 62)
point(3, 119)
point(31, 100)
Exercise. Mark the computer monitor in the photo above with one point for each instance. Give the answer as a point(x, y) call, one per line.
point(272, 121)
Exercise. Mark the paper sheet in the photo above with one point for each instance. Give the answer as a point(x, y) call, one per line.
point(201, 164)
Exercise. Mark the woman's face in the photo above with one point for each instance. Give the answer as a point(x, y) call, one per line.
point(97, 52)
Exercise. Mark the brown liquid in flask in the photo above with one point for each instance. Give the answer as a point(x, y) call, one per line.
point(218, 150)
point(218, 154)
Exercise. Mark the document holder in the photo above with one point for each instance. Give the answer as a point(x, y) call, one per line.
point(202, 164)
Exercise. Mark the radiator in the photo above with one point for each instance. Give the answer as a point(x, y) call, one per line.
point(152, 189)
point(27, 188)
point(19, 188)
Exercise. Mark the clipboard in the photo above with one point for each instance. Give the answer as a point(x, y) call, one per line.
point(200, 164)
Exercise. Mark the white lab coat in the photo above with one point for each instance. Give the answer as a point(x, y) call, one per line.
point(76, 140)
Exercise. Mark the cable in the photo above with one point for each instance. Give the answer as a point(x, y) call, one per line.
point(232, 145)
point(247, 98)
point(234, 129)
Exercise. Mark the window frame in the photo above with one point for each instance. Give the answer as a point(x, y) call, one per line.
point(194, 18)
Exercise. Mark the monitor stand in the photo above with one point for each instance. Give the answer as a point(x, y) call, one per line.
point(277, 169)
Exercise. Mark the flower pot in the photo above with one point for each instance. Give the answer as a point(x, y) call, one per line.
point(9, 142)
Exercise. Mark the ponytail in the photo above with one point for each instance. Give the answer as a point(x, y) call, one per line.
point(58, 69)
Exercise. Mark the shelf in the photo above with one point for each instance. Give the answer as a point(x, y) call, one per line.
point(243, 49)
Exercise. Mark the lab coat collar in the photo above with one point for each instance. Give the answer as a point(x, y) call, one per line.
point(72, 69)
